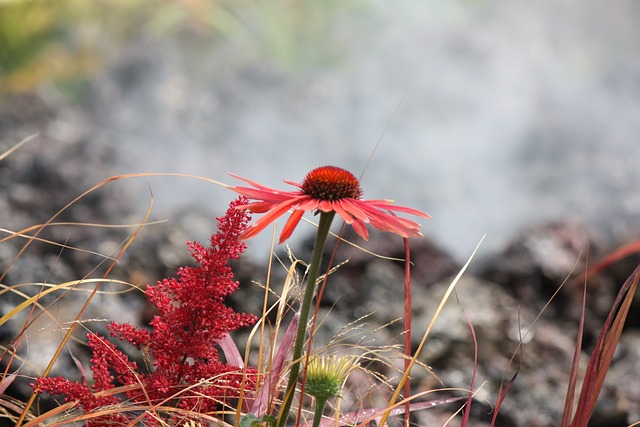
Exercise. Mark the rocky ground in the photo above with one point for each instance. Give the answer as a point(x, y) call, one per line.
point(503, 293)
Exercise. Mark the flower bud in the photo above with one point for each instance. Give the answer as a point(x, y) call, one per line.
point(326, 375)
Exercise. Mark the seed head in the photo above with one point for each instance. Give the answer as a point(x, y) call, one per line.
point(331, 183)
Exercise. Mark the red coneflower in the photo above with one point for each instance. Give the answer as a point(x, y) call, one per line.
point(326, 189)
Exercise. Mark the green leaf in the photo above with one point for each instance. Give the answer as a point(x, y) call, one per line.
point(251, 420)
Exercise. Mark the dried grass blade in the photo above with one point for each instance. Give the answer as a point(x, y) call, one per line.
point(443, 301)
point(573, 376)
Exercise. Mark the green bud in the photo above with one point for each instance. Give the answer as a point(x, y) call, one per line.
point(326, 375)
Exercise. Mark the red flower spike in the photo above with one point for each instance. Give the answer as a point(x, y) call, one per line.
point(325, 189)
point(181, 343)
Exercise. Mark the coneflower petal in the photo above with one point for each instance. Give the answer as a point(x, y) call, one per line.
point(361, 229)
point(291, 224)
point(273, 214)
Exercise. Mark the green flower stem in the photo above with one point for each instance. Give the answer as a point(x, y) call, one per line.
point(317, 416)
point(316, 258)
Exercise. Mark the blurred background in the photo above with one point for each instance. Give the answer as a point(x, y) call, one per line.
point(491, 114)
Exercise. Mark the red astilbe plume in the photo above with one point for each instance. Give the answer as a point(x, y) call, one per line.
point(192, 317)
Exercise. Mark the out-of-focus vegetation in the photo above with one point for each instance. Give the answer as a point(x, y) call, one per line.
point(57, 40)
point(54, 39)
point(64, 40)
point(306, 33)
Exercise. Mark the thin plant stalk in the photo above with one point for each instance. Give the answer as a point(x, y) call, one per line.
point(319, 409)
point(324, 226)
point(407, 329)
point(312, 327)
